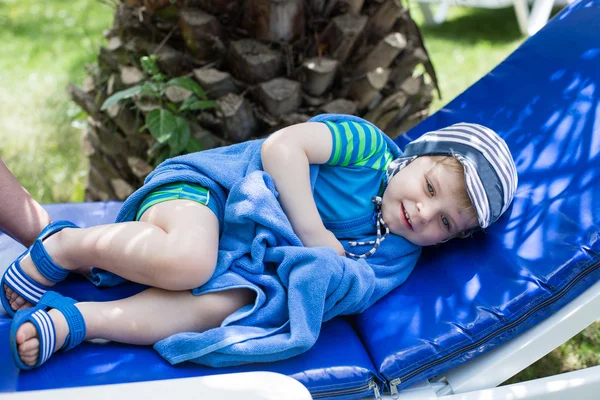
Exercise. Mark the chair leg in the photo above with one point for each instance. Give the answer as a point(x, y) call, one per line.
point(540, 13)
point(427, 13)
point(442, 11)
point(440, 14)
point(522, 12)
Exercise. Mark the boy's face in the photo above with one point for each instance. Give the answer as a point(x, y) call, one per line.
point(425, 191)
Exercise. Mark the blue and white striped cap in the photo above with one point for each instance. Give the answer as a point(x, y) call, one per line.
point(490, 171)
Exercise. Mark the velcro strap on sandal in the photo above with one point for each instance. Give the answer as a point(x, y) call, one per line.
point(76, 327)
point(66, 306)
point(45, 264)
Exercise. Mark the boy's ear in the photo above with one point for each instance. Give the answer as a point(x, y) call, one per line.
point(466, 233)
point(462, 235)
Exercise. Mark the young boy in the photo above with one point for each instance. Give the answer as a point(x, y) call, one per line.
point(444, 185)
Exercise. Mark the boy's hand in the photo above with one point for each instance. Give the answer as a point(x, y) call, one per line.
point(323, 238)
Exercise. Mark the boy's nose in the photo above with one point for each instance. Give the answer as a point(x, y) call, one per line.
point(425, 212)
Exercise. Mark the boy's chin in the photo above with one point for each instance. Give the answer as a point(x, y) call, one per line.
point(408, 236)
point(416, 240)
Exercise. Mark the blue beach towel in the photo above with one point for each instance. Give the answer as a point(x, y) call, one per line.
point(297, 288)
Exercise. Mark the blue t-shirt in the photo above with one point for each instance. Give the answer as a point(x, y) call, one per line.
point(354, 173)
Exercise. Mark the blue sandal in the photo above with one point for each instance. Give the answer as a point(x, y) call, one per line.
point(23, 285)
point(39, 317)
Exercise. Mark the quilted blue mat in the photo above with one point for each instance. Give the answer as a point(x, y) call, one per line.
point(466, 297)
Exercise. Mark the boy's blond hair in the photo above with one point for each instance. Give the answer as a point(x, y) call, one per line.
point(460, 193)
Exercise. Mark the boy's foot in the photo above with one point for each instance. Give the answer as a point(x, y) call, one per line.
point(29, 344)
point(17, 302)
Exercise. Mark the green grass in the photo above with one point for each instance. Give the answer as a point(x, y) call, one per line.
point(45, 45)
point(467, 46)
point(582, 351)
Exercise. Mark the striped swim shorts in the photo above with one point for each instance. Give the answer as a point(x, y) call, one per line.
point(176, 191)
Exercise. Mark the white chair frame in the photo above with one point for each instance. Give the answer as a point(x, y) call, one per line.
point(530, 21)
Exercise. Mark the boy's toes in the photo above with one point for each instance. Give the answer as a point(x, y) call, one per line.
point(30, 347)
point(19, 303)
point(26, 332)
point(8, 293)
point(24, 306)
point(29, 344)
point(29, 360)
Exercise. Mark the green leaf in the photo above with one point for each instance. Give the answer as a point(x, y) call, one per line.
point(180, 139)
point(149, 64)
point(172, 107)
point(162, 155)
point(162, 124)
point(152, 89)
point(184, 106)
point(192, 103)
point(155, 149)
point(158, 77)
point(193, 145)
point(79, 116)
point(123, 94)
point(189, 84)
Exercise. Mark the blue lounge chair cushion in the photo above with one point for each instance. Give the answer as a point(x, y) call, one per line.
point(466, 297)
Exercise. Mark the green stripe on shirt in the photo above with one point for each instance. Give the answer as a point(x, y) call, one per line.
point(377, 164)
point(361, 143)
point(368, 157)
point(349, 144)
point(336, 151)
point(388, 160)
point(374, 137)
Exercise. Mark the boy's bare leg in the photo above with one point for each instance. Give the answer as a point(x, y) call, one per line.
point(142, 319)
point(21, 217)
point(174, 246)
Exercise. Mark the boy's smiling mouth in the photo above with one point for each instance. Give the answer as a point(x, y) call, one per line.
point(405, 217)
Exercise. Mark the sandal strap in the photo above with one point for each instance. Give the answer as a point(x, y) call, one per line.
point(44, 326)
point(66, 306)
point(42, 260)
point(45, 264)
point(21, 283)
point(46, 334)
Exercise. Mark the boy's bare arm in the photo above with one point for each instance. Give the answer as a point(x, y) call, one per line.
point(286, 156)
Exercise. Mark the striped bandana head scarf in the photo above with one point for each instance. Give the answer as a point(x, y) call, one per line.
point(490, 171)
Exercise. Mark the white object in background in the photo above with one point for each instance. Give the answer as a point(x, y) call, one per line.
point(529, 22)
point(242, 386)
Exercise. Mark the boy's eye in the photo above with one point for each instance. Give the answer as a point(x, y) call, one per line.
point(430, 187)
point(446, 222)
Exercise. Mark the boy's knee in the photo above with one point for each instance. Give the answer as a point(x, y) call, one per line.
point(188, 271)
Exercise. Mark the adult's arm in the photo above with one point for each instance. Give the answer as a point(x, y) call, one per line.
point(21, 217)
